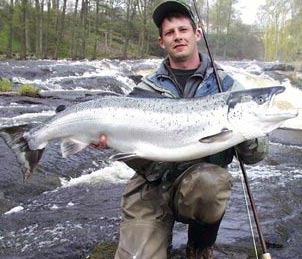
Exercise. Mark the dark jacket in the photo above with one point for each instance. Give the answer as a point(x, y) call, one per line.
point(201, 83)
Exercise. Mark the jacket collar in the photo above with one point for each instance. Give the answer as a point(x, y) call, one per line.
point(205, 63)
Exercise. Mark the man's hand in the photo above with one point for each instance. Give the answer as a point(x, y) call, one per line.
point(253, 151)
point(102, 144)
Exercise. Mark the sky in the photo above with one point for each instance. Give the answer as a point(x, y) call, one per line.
point(248, 9)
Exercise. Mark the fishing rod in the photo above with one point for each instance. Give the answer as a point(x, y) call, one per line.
point(265, 255)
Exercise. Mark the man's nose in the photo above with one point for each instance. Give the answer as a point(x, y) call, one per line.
point(177, 35)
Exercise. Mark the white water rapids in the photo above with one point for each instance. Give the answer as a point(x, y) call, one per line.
point(70, 205)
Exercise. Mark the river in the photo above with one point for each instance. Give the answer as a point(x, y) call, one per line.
point(70, 205)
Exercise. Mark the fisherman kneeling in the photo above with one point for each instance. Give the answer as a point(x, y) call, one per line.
point(194, 192)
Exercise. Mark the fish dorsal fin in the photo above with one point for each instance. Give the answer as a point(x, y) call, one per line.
point(218, 137)
point(123, 156)
point(71, 147)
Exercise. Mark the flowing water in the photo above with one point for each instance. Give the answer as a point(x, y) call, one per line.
point(70, 205)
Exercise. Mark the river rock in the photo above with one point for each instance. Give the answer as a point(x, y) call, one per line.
point(279, 67)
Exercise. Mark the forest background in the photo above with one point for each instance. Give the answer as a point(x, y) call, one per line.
point(123, 29)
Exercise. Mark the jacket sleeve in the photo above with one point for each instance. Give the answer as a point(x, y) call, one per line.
point(253, 151)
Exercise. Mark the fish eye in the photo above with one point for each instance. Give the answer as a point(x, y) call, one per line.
point(260, 99)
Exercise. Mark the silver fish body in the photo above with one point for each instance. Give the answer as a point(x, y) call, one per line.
point(163, 129)
point(156, 129)
point(160, 129)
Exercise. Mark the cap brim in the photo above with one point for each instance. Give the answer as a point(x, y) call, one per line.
point(163, 9)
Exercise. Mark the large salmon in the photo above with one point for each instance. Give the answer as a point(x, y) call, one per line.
point(159, 129)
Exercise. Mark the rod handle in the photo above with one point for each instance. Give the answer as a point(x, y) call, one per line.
point(266, 256)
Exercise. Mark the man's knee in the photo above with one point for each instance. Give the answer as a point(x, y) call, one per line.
point(201, 193)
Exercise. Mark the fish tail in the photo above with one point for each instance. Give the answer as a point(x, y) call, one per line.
point(13, 136)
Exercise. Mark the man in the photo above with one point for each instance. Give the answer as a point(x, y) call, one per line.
point(194, 192)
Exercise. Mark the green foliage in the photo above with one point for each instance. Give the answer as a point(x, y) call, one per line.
point(125, 30)
point(29, 90)
point(5, 86)
point(282, 32)
point(4, 41)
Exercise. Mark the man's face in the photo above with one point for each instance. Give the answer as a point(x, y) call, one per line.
point(179, 39)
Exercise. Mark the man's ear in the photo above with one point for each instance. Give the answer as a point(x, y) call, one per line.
point(160, 42)
point(198, 34)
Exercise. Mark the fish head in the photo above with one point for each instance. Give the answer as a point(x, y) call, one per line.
point(253, 113)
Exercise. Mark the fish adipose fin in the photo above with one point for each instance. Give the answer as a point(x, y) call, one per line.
point(72, 146)
point(123, 156)
point(219, 137)
point(28, 158)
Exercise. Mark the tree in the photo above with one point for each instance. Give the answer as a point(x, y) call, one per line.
point(223, 17)
point(10, 30)
point(131, 6)
point(96, 24)
point(38, 28)
point(278, 21)
point(23, 19)
point(47, 30)
point(60, 28)
point(74, 28)
point(144, 7)
point(124, 28)
point(229, 13)
point(83, 30)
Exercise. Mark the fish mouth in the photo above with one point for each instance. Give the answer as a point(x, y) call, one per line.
point(274, 114)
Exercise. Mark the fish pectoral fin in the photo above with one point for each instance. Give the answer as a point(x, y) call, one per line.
point(123, 156)
point(219, 137)
point(71, 147)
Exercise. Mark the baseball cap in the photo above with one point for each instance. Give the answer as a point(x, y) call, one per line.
point(161, 11)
